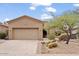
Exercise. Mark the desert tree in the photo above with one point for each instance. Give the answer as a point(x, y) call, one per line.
point(65, 22)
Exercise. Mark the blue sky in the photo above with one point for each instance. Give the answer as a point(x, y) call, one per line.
point(40, 11)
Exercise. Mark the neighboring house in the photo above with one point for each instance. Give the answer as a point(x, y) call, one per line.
point(25, 27)
point(3, 28)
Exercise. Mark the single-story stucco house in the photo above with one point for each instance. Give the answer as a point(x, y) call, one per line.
point(3, 28)
point(25, 27)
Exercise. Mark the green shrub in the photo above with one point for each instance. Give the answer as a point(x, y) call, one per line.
point(51, 36)
point(2, 35)
point(53, 40)
point(52, 45)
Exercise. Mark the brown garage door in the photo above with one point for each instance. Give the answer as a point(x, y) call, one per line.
point(24, 34)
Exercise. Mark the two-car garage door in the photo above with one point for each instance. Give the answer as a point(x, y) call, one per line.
point(25, 33)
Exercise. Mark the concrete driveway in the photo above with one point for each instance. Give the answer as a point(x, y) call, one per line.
point(18, 47)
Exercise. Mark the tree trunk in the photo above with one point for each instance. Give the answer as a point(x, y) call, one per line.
point(69, 36)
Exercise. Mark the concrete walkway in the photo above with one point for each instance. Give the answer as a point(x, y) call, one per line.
point(18, 47)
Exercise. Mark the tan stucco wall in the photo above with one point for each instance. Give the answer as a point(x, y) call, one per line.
point(25, 22)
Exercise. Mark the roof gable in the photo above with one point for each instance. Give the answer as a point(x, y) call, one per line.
point(31, 18)
point(3, 25)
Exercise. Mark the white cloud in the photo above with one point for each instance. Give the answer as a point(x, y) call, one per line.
point(76, 5)
point(32, 8)
point(34, 5)
point(46, 16)
point(47, 6)
point(50, 9)
point(42, 4)
point(6, 19)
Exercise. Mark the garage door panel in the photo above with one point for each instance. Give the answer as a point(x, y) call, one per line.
point(24, 34)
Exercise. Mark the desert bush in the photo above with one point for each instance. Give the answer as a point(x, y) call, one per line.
point(57, 33)
point(53, 40)
point(2, 35)
point(51, 36)
point(63, 37)
point(52, 45)
point(50, 41)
